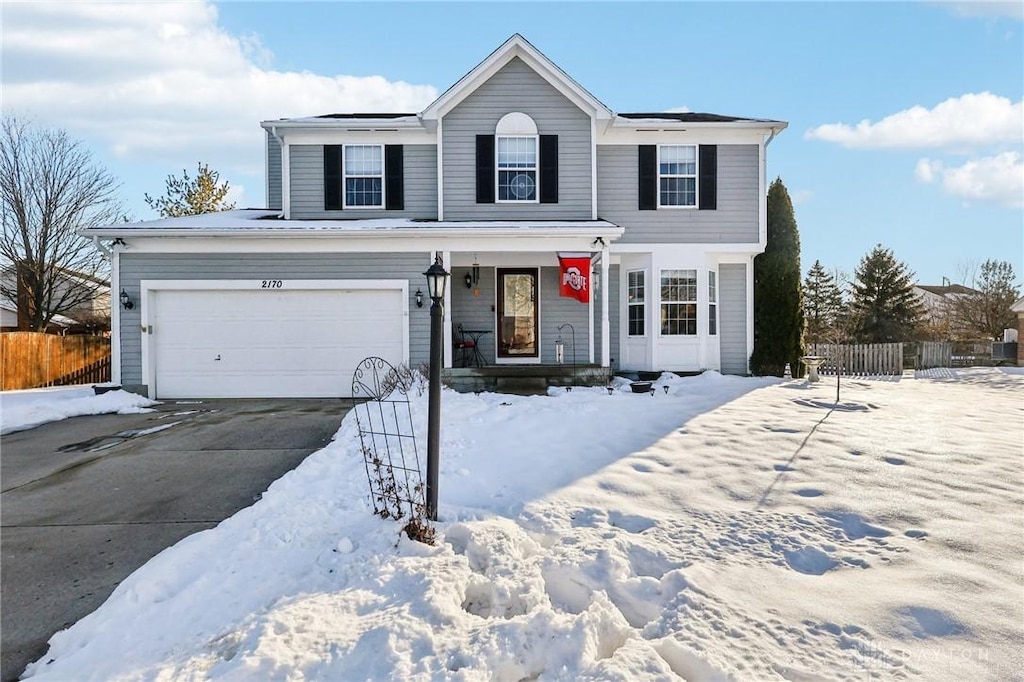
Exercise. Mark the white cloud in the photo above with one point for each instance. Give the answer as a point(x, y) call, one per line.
point(801, 196)
point(164, 82)
point(679, 110)
point(966, 121)
point(997, 178)
point(984, 8)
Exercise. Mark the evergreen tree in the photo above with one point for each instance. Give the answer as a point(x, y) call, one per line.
point(192, 196)
point(884, 306)
point(823, 301)
point(778, 309)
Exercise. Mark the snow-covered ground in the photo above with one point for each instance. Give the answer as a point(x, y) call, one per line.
point(20, 410)
point(733, 528)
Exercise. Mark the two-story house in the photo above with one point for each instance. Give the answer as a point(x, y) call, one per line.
point(658, 217)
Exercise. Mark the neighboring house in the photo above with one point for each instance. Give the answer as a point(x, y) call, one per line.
point(8, 316)
point(90, 315)
point(1018, 307)
point(511, 167)
point(937, 301)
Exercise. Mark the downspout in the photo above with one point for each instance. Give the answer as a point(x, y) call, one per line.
point(100, 247)
point(286, 180)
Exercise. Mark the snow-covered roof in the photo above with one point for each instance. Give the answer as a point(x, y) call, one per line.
point(262, 222)
point(1018, 305)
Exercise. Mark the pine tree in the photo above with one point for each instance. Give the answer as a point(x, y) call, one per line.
point(192, 196)
point(884, 306)
point(778, 309)
point(823, 301)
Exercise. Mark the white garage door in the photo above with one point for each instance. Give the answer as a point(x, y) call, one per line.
point(264, 344)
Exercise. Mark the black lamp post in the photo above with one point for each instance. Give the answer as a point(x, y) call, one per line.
point(437, 280)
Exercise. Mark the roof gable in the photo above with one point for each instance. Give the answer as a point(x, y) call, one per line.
point(517, 46)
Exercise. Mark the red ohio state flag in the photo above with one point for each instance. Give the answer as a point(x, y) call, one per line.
point(574, 277)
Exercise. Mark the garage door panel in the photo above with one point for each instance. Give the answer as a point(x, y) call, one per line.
point(255, 343)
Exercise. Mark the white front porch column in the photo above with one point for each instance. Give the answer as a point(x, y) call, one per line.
point(606, 344)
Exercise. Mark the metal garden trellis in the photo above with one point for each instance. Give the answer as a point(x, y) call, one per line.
point(388, 440)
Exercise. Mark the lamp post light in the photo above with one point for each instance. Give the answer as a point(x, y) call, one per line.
point(437, 280)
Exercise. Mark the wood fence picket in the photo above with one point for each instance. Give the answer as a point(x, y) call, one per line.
point(33, 359)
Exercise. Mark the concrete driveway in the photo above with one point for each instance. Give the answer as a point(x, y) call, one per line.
point(86, 501)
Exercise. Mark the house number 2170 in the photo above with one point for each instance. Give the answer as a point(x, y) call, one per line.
point(271, 284)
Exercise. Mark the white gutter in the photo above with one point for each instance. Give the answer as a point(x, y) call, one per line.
point(593, 231)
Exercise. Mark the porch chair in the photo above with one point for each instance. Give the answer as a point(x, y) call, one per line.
point(465, 345)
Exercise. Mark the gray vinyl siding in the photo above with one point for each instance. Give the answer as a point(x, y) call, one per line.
point(732, 317)
point(193, 266)
point(735, 220)
point(474, 312)
point(556, 310)
point(273, 172)
point(516, 87)
point(307, 185)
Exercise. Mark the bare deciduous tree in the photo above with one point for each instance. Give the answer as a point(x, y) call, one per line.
point(51, 187)
point(983, 312)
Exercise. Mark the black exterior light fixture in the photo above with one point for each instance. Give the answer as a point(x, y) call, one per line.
point(469, 280)
point(419, 297)
point(126, 302)
point(437, 281)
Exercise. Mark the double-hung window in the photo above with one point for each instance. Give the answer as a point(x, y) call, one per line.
point(678, 302)
point(364, 176)
point(712, 302)
point(517, 168)
point(636, 286)
point(677, 175)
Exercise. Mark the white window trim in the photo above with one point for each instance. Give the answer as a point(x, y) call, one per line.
point(695, 302)
point(712, 301)
point(345, 177)
point(642, 303)
point(696, 178)
point(536, 170)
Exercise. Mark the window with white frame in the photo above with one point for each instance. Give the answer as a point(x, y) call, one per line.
point(517, 168)
point(677, 175)
point(678, 302)
point(364, 175)
point(712, 302)
point(636, 287)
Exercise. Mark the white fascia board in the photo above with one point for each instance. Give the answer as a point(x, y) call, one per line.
point(368, 123)
point(352, 136)
point(470, 241)
point(704, 248)
point(764, 127)
point(517, 46)
point(694, 135)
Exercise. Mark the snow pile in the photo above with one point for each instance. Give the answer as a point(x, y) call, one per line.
point(729, 529)
point(20, 410)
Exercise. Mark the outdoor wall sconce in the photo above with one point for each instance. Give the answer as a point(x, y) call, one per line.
point(419, 297)
point(126, 302)
point(469, 280)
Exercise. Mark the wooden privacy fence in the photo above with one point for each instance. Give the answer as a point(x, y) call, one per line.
point(864, 359)
point(32, 359)
point(934, 354)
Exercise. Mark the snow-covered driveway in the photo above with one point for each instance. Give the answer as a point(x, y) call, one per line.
point(732, 529)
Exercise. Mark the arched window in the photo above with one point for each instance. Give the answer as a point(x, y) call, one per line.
point(516, 155)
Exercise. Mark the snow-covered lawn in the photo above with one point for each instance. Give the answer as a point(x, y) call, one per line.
point(733, 529)
point(20, 410)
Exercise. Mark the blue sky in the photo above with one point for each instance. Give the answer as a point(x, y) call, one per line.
point(935, 172)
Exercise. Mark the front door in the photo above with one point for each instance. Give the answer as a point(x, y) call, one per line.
point(517, 313)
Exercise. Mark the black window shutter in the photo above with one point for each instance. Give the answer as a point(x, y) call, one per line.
point(485, 169)
point(708, 177)
point(648, 160)
point(394, 183)
point(333, 163)
point(549, 169)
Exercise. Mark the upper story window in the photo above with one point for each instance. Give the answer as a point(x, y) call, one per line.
point(677, 175)
point(516, 158)
point(364, 176)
